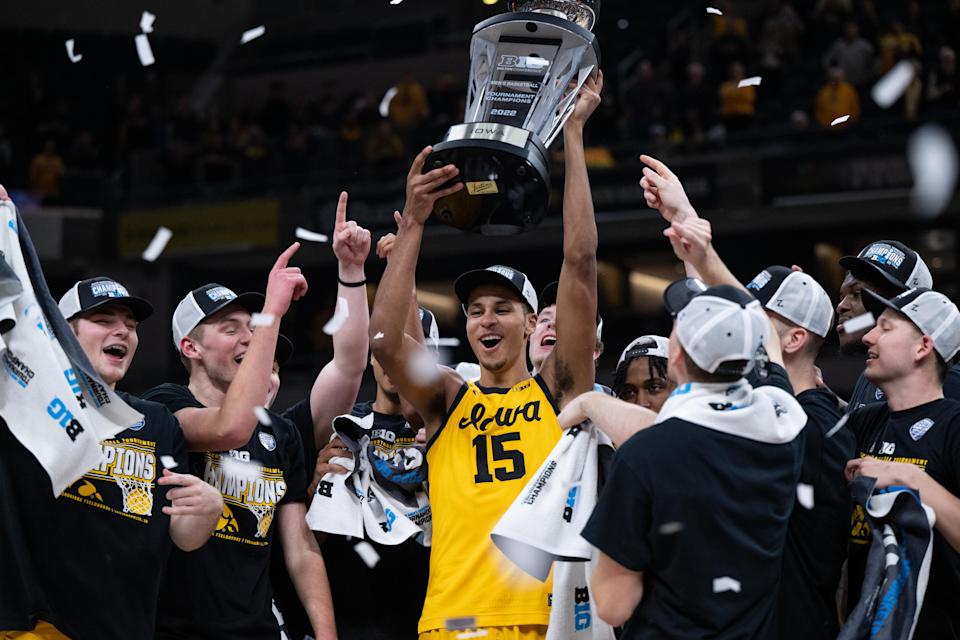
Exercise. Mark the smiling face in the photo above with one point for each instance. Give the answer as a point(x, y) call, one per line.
point(220, 345)
point(108, 335)
point(544, 337)
point(498, 325)
point(894, 348)
point(644, 386)
point(851, 306)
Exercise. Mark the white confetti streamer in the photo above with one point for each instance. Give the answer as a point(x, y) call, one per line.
point(714, 11)
point(158, 244)
point(262, 320)
point(378, 336)
point(168, 462)
point(367, 553)
point(479, 633)
point(262, 416)
point(240, 469)
point(144, 50)
point(752, 81)
point(891, 86)
point(395, 2)
point(805, 495)
point(839, 120)
point(861, 322)
point(74, 57)
point(146, 22)
point(842, 421)
point(386, 100)
point(446, 342)
point(725, 583)
point(423, 369)
point(340, 316)
point(933, 162)
point(310, 236)
point(670, 528)
point(252, 34)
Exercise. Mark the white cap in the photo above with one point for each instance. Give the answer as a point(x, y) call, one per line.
point(723, 324)
point(795, 296)
point(656, 346)
point(932, 312)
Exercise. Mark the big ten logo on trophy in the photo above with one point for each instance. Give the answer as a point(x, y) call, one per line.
point(526, 68)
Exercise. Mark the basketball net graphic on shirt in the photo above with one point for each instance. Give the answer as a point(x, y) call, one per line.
point(243, 485)
point(130, 464)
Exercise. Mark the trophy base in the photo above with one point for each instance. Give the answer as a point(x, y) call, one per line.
point(506, 186)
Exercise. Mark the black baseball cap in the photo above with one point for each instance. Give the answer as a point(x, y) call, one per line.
point(500, 275)
point(89, 294)
point(892, 262)
point(203, 302)
point(679, 294)
point(930, 311)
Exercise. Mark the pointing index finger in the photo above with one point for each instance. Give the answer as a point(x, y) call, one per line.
point(656, 165)
point(284, 259)
point(341, 210)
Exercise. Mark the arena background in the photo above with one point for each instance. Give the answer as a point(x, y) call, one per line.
point(232, 147)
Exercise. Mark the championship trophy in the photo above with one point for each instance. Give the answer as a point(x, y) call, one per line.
point(526, 68)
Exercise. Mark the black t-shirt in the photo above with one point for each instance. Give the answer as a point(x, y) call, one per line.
point(385, 602)
point(817, 538)
point(866, 393)
point(731, 499)
point(97, 552)
point(222, 590)
point(929, 437)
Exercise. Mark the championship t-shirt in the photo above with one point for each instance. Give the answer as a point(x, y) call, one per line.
point(865, 392)
point(927, 436)
point(222, 590)
point(703, 514)
point(97, 552)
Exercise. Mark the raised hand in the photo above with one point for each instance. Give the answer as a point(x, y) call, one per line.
point(284, 284)
point(663, 191)
point(423, 189)
point(351, 242)
point(587, 101)
point(691, 240)
point(385, 244)
point(192, 497)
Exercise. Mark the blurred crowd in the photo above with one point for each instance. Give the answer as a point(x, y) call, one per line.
point(678, 92)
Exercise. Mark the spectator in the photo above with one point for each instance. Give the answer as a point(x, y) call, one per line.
point(898, 44)
point(383, 146)
point(644, 98)
point(737, 104)
point(835, 99)
point(730, 36)
point(695, 104)
point(853, 54)
point(943, 82)
point(409, 106)
point(46, 172)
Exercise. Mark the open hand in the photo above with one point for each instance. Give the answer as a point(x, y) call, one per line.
point(587, 101)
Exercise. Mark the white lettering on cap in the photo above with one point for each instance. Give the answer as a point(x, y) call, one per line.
point(885, 254)
point(108, 289)
point(506, 272)
point(220, 293)
point(760, 281)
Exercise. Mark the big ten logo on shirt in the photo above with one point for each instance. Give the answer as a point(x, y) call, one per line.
point(123, 482)
point(250, 493)
point(581, 608)
point(859, 526)
point(398, 451)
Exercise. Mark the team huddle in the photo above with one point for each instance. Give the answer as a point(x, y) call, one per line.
point(744, 498)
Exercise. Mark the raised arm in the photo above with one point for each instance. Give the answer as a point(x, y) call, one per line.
point(335, 388)
point(391, 347)
point(616, 418)
point(230, 425)
point(569, 370)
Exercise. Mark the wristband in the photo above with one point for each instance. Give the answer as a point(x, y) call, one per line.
point(359, 283)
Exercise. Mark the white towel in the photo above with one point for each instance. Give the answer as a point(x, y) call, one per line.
point(51, 398)
point(355, 503)
point(543, 525)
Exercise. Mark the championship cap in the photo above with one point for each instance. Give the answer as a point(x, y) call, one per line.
point(203, 302)
point(431, 332)
point(894, 262)
point(548, 298)
point(497, 274)
point(719, 326)
point(932, 313)
point(96, 292)
point(796, 296)
point(656, 346)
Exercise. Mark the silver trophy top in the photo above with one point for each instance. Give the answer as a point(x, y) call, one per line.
point(581, 12)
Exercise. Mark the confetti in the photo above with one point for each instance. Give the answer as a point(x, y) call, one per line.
point(395, 2)
point(446, 342)
point(378, 336)
point(752, 81)
point(891, 86)
point(252, 34)
point(310, 236)
point(168, 462)
point(714, 11)
point(158, 244)
point(367, 553)
point(479, 633)
point(144, 50)
point(805, 495)
point(839, 120)
point(262, 416)
point(670, 528)
point(861, 322)
point(423, 369)
point(933, 162)
point(461, 624)
point(386, 100)
point(726, 583)
point(262, 320)
point(842, 421)
point(146, 22)
point(340, 316)
point(74, 57)
point(237, 468)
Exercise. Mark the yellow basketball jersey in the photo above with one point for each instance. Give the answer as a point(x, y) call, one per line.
point(478, 463)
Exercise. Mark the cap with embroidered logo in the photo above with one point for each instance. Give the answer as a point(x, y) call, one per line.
point(893, 262)
point(795, 296)
point(89, 294)
point(932, 312)
point(508, 277)
point(203, 302)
